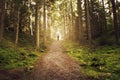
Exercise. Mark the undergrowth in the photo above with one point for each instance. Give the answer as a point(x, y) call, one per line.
point(22, 57)
point(102, 63)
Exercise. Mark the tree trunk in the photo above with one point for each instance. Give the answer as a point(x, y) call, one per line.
point(104, 16)
point(30, 25)
point(118, 13)
point(1, 24)
point(88, 21)
point(2, 16)
point(115, 21)
point(17, 29)
point(72, 24)
point(64, 18)
point(44, 23)
point(80, 21)
point(37, 45)
point(49, 29)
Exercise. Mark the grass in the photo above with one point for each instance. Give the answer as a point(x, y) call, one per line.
point(10, 59)
point(101, 63)
point(23, 57)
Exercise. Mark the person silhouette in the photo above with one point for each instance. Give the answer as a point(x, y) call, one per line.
point(58, 37)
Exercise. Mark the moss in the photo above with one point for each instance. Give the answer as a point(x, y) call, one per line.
point(101, 62)
point(23, 57)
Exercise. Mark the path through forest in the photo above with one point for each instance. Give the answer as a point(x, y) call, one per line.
point(56, 65)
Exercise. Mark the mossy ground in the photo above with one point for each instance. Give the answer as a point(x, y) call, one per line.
point(102, 62)
point(23, 56)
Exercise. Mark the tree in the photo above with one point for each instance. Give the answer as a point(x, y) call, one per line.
point(17, 6)
point(2, 16)
point(115, 21)
point(44, 23)
point(88, 23)
point(17, 27)
point(80, 21)
point(104, 16)
point(72, 20)
point(37, 39)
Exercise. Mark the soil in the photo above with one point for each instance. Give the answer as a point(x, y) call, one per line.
point(14, 74)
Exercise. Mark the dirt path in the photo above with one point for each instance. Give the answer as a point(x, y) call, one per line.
point(55, 65)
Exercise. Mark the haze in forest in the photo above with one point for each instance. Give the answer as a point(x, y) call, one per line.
point(59, 39)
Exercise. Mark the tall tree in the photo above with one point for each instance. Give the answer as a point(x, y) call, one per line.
point(72, 20)
point(44, 23)
point(17, 27)
point(37, 44)
point(2, 16)
point(80, 21)
point(104, 15)
point(115, 21)
point(17, 6)
point(88, 23)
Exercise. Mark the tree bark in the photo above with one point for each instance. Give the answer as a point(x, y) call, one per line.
point(88, 23)
point(17, 29)
point(115, 21)
point(104, 16)
point(72, 24)
point(37, 45)
point(2, 16)
point(1, 24)
point(44, 23)
point(80, 21)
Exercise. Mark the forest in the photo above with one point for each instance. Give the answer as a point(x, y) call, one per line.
point(59, 39)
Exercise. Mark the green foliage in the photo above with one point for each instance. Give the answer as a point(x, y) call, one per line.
point(18, 3)
point(22, 57)
point(107, 38)
point(101, 62)
point(11, 59)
